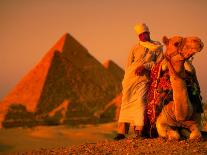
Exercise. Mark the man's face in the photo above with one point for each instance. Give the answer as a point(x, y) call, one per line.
point(145, 36)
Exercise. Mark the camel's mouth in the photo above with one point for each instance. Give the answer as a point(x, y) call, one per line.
point(201, 46)
point(193, 50)
point(198, 46)
point(190, 54)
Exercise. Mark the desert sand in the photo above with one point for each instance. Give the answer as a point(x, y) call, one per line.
point(88, 139)
point(27, 139)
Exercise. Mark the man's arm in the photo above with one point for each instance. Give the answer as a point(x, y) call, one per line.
point(130, 57)
point(158, 56)
point(149, 65)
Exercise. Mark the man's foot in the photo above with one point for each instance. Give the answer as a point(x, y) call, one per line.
point(119, 136)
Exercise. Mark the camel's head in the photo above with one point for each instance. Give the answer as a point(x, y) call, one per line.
point(180, 48)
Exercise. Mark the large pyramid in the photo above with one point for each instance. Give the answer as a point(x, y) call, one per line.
point(67, 82)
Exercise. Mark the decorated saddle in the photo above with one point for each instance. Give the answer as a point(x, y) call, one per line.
point(160, 93)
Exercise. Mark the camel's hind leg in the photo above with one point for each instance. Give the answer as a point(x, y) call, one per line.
point(164, 130)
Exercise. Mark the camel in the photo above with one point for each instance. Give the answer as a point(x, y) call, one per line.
point(179, 112)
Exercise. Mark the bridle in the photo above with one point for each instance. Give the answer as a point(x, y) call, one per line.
point(178, 51)
point(169, 57)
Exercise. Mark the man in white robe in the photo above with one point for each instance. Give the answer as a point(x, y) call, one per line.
point(135, 83)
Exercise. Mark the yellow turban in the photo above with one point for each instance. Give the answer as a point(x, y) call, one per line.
point(140, 28)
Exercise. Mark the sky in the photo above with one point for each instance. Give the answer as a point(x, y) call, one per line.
point(30, 28)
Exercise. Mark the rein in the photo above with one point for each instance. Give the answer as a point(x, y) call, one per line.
point(169, 57)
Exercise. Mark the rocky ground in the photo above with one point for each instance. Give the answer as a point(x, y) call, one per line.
point(130, 146)
point(89, 140)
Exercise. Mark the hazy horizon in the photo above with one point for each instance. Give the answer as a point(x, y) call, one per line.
point(106, 28)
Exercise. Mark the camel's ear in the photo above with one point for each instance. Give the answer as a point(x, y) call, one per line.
point(165, 40)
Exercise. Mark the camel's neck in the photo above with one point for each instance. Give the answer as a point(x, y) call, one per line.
point(180, 94)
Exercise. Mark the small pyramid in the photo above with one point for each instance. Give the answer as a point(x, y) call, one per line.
point(113, 68)
point(67, 73)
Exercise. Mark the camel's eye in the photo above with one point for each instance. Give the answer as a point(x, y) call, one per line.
point(176, 44)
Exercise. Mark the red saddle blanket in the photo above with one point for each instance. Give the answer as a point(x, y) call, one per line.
point(160, 92)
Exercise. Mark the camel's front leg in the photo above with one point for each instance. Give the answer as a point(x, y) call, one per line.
point(194, 129)
point(164, 130)
point(195, 132)
point(164, 123)
point(194, 126)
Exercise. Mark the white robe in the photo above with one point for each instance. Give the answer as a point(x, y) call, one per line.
point(135, 87)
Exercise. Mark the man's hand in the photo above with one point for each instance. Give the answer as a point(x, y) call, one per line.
point(140, 70)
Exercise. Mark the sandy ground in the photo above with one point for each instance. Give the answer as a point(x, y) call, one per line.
point(132, 146)
point(89, 139)
point(26, 139)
